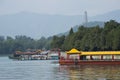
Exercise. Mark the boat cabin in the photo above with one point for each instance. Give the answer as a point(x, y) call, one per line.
point(92, 57)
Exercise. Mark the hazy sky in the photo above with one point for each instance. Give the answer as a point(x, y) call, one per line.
point(64, 7)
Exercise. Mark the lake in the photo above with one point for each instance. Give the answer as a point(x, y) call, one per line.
point(48, 70)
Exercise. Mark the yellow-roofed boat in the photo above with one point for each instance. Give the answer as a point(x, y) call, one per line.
point(77, 57)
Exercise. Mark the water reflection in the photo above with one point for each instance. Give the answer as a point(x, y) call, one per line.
point(88, 72)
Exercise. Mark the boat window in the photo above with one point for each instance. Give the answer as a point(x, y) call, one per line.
point(88, 57)
point(83, 57)
point(117, 57)
point(75, 56)
point(96, 57)
point(107, 57)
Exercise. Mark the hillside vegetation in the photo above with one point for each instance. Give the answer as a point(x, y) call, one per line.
point(91, 38)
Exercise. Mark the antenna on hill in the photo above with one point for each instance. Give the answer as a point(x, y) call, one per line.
point(86, 20)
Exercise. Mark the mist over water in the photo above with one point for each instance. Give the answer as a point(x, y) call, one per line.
point(47, 70)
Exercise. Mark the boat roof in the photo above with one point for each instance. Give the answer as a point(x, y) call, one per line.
point(74, 51)
point(101, 53)
point(25, 53)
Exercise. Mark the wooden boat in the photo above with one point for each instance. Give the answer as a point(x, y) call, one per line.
point(75, 57)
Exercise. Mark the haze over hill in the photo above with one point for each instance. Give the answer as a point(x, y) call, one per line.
point(38, 25)
point(115, 15)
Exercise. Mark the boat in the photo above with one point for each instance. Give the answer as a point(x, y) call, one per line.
point(14, 56)
point(76, 57)
point(29, 55)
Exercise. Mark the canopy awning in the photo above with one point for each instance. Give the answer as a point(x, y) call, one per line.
point(73, 51)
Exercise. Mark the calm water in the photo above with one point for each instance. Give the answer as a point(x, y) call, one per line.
point(47, 70)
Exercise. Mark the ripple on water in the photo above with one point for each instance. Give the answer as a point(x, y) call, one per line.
point(47, 69)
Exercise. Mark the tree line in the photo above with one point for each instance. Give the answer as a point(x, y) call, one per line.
point(85, 39)
point(9, 45)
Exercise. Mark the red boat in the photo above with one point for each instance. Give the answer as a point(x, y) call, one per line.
point(75, 57)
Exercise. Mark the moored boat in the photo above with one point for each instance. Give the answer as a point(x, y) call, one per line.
point(35, 55)
point(75, 57)
point(29, 55)
point(14, 56)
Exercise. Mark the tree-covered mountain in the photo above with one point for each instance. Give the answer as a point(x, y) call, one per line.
point(91, 38)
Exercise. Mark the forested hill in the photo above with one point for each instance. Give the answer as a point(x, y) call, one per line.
point(91, 38)
point(86, 39)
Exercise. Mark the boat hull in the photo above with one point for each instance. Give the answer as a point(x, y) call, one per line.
point(79, 62)
point(12, 57)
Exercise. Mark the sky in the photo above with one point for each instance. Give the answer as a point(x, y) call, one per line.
point(59, 7)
